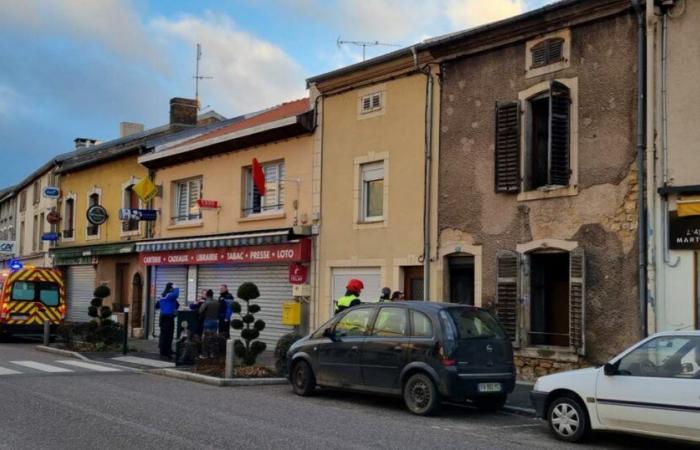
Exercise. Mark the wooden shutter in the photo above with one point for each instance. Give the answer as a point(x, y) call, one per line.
point(539, 55)
point(508, 292)
point(559, 130)
point(577, 300)
point(507, 158)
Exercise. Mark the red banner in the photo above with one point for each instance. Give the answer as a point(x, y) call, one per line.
point(277, 253)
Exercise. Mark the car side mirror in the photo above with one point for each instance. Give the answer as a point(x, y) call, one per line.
point(609, 369)
point(328, 332)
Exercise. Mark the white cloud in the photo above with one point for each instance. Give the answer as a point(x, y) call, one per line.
point(472, 13)
point(115, 24)
point(249, 73)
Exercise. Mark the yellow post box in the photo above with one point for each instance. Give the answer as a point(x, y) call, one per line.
point(291, 313)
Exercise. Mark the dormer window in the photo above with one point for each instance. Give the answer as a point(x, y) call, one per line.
point(547, 52)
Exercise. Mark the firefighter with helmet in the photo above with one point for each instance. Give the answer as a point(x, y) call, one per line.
point(351, 297)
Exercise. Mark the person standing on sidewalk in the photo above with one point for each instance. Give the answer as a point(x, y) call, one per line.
point(210, 312)
point(168, 306)
point(225, 311)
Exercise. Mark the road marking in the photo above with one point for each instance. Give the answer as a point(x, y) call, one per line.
point(40, 366)
point(4, 371)
point(87, 365)
point(144, 361)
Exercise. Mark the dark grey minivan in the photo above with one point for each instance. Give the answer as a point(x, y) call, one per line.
point(424, 351)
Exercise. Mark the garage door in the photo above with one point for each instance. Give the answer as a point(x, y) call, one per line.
point(370, 276)
point(177, 275)
point(81, 286)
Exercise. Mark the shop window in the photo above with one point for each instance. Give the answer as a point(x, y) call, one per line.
point(545, 158)
point(273, 200)
point(187, 192)
point(69, 218)
point(131, 201)
point(554, 282)
point(372, 191)
point(93, 199)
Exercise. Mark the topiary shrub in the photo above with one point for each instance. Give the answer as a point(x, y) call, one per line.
point(96, 309)
point(281, 350)
point(248, 348)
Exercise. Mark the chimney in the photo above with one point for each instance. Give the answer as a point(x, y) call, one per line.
point(129, 128)
point(183, 112)
point(82, 142)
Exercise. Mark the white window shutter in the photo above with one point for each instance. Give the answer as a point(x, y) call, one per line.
point(577, 300)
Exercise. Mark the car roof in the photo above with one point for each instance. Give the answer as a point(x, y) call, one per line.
point(677, 333)
point(430, 305)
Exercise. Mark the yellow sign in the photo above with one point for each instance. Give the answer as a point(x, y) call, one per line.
point(145, 189)
point(291, 313)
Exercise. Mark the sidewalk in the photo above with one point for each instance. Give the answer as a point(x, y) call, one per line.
point(519, 399)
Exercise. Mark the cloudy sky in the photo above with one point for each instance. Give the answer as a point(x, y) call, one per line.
point(72, 68)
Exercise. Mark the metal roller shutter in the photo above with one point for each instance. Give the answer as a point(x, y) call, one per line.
point(177, 275)
point(212, 277)
point(81, 286)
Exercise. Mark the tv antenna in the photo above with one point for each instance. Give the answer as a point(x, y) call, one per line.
point(197, 77)
point(363, 44)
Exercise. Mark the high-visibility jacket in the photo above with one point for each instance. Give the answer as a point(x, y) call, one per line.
point(346, 302)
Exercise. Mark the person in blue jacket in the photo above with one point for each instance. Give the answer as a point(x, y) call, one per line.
point(168, 306)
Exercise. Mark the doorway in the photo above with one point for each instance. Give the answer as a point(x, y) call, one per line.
point(461, 276)
point(121, 288)
point(549, 290)
point(413, 282)
point(136, 301)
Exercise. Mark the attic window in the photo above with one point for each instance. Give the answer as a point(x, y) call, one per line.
point(547, 52)
point(371, 102)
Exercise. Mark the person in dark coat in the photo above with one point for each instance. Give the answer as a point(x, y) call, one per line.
point(168, 306)
point(225, 311)
point(209, 310)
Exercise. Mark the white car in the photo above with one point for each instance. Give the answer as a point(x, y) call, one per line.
point(652, 388)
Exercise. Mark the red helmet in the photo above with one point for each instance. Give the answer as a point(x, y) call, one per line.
point(355, 285)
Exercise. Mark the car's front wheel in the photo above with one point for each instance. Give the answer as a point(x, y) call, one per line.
point(568, 419)
point(421, 395)
point(303, 379)
point(490, 402)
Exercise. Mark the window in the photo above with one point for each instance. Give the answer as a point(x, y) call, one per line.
point(554, 281)
point(22, 236)
point(187, 192)
point(354, 323)
point(664, 357)
point(372, 191)
point(273, 200)
point(42, 229)
point(35, 234)
point(371, 102)
point(27, 291)
point(546, 154)
point(23, 201)
point(131, 201)
point(69, 218)
point(422, 326)
point(36, 191)
point(547, 52)
point(93, 199)
point(391, 322)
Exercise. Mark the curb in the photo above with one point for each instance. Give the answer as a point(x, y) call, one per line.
point(58, 351)
point(214, 381)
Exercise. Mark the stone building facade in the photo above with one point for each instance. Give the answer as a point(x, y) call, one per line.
point(538, 183)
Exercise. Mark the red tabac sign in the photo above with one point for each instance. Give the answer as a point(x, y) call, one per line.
point(207, 204)
point(278, 253)
point(297, 274)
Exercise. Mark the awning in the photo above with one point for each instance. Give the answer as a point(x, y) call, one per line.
point(87, 254)
point(229, 240)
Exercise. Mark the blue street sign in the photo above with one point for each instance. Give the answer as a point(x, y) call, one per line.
point(127, 214)
point(52, 192)
point(15, 265)
point(49, 236)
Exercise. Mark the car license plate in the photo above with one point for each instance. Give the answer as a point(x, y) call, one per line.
point(489, 387)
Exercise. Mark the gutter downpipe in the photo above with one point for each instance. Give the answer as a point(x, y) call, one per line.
point(639, 8)
point(427, 177)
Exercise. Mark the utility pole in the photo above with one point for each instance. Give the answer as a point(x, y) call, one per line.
point(363, 44)
point(197, 76)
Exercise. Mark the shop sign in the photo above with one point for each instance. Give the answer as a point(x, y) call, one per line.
point(129, 214)
point(145, 190)
point(297, 274)
point(52, 236)
point(207, 204)
point(277, 253)
point(683, 232)
point(97, 215)
point(51, 192)
point(7, 247)
point(75, 261)
point(53, 217)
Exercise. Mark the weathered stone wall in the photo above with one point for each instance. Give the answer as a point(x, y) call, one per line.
point(601, 217)
point(530, 369)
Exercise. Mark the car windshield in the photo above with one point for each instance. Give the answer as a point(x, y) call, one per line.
point(473, 323)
